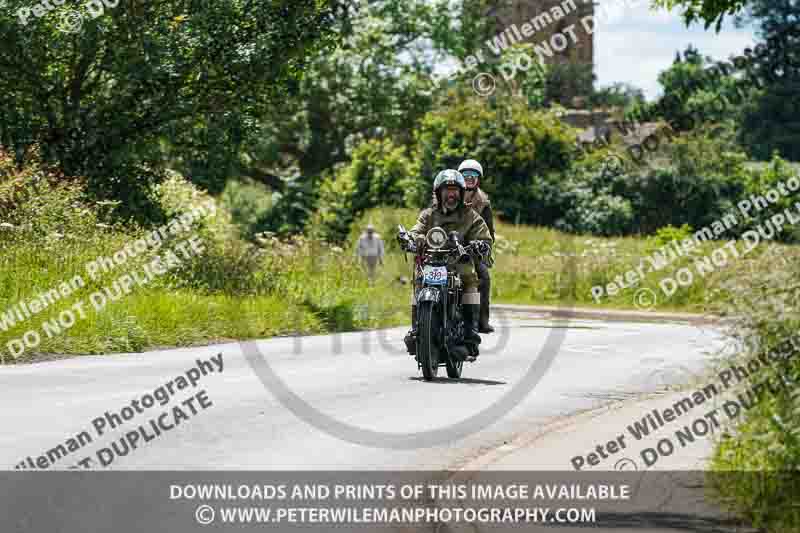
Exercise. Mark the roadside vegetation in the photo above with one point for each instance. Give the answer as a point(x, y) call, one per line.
point(266, 286)
point(235, 290)
point(756, 461)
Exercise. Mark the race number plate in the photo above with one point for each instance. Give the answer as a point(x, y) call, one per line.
point(435, 275)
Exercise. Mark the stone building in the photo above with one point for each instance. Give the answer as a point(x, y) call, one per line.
point(535, 21)
point(546, 24)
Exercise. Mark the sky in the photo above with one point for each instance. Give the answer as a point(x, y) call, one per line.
point(634, 44)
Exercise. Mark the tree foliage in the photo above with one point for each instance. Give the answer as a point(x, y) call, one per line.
point(771, 122)
point(102, 101)
point(518, 146)
point(620, 95)
point(379, 174)
point(707, 11)
point(378, 83)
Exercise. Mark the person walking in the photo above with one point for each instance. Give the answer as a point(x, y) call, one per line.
point(370, 251)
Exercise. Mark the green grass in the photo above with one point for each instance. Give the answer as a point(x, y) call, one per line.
point(302, 302)
point(234, 293)
point(541, 266)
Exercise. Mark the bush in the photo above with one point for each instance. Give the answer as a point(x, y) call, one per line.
point(248, 202)
point(521, 151)
point(228, 264)
point(761, 181)
point(129, 186)
point(291, 208)
point(379, 174)
point(765, 443)
point(668, 234)
point(597, 214)
point(698, 177)
point(692, 179)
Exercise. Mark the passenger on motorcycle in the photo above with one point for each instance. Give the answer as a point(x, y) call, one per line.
point(451, 214)
point(478, 200)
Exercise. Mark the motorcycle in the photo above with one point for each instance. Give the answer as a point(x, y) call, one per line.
point(440, 322)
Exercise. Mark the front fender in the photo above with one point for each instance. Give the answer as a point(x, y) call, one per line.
point(429, 294)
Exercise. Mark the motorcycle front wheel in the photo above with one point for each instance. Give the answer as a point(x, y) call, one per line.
point(427, 346)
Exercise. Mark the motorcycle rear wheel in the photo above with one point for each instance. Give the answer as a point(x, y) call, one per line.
point(427, 348)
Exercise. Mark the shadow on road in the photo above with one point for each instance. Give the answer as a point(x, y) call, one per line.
point(465, 381)
point(557, 326)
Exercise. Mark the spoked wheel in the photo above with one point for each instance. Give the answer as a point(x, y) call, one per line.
point(429, 334)
point(454, 368)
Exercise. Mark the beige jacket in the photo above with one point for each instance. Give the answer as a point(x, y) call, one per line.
point(370, 247)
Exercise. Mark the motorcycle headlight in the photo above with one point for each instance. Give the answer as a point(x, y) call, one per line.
point(436, 238)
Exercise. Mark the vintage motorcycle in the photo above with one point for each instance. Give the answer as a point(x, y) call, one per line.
point(440, 322)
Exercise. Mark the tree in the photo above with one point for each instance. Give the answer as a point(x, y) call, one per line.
point(708, 11)
point(771, 121)
point(697, 92)
point(379, 174)
point(621, 95)
point(377, 84)
point(523, 152)
point(103, 101)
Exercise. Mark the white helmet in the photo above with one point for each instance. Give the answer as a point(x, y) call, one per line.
point(471, 165)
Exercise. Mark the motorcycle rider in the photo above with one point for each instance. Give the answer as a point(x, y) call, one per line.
point(478, 200)
point(452, 214)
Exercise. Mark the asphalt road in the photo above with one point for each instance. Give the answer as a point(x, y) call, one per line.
point(360, 379)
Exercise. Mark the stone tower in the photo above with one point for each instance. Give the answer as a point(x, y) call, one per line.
point(538, 21)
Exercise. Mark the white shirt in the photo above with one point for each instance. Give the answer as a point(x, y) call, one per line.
point(370, 247)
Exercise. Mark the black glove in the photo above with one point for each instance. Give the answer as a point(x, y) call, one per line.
point(482, 248)
point(463, 254)
point(406, 242)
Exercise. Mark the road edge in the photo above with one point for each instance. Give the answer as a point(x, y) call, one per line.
point(609, 314)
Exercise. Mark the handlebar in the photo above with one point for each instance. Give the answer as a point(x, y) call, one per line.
point(406, 241)
point(463, 253)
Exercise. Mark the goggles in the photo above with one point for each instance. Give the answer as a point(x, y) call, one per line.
point(473, 174)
